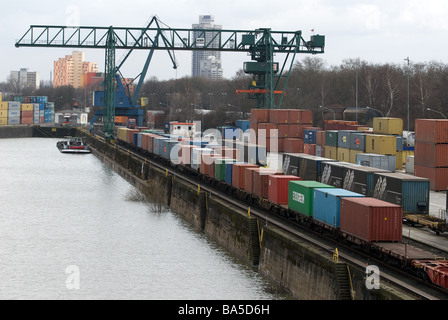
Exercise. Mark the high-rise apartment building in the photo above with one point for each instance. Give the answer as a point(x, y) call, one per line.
point(206, 64)
point(69, 71)
point(26, 78)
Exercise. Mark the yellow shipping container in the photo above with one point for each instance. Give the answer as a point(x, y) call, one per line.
point(3, 121)
point(27, 107)
point(331, 152)
point(381, 144)
point(3, 113)
point(1, 97)
point(3, 105)
point(343, 154)
point(388, 126)
point(353, 153)
point(399, 160)
point(122, 133)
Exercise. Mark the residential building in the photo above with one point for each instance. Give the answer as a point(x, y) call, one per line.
point(26, 79)
point(206, 64)
point(69, 71)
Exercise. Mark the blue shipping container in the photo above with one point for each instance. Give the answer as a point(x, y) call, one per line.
point(158, 147)
point(243, 124)
point(327, 204)
point(166, 146)
point(310, 136)
point(229, 167)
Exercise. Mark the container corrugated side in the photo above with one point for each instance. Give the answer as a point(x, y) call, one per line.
point(249, 179)
point(261, 181)
point(238, 174)
point(381, 144)
point(278, 188)
point(409, 192)
point(220, 168)
point(229, 172)
point(431, 154)
point(371, 219)
point(438, 177)
point(301, 195)
point(327, 204)
point(388, 126)
point(431, 130)
point(331, 138)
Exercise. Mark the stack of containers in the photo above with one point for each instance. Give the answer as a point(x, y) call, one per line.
point(13, 113)
point(261, 181)
point(327, 204)
point(310, 144)
point(392, 131)
point(48, 112)
point(320, 143)
point(36, 113)
point(344, 145)
point(331, 144)
point(431, 152)
point(27, 113)
point(3, 113)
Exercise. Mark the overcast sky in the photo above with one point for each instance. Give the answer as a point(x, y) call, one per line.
point(377, 31)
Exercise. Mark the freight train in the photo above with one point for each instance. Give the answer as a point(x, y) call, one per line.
point(367, 216)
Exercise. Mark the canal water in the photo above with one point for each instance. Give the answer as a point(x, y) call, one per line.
point(71, 228)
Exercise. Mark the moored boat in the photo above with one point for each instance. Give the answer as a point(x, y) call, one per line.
point(73, 145)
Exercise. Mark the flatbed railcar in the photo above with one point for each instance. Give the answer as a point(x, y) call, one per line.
point(398, 254)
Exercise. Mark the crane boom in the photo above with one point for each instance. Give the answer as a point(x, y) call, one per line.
point(262, 44)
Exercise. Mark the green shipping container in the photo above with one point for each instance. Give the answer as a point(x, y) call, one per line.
point(301, 195)
point(331, 138)
point(220, 168)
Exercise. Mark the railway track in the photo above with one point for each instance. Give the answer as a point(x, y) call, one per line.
point(356, 259)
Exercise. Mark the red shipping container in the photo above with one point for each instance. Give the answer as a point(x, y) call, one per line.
point(431, 130)
point(438, 176)
point(306, 116)
point(309, 149)
point(431, 154)
point(249, 179)
point(271, 130)
point(130, 135)
point(261, 181)
point(238, 174)
point(292, 145)
point(279, 116)
point(27, 120)
point(259, 115)
point(278, 188)
point(371, 219)
point(283, 130)
point(27, 114)
point(320, 138)
point(273, 144)
point(230, 153)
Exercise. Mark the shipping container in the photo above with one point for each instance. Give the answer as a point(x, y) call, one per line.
point(261, 181)
point(251, 153)
point(308, 167)
point(409, 167)
point(344, 138)
point(409, 192)
point(392, 126)
point(431, 154)
point(27, 120)
point(196, 156)
point(13, 113)
point(221, 166)
point(169, 149)
point(333, 173)
point(320, 138)
point(278, 188)
point(4, 105)
point(353, 156)
point(229, 171)
point(239, 172)
point(358, 141)
point(293, 145)
point(373, 160)
point(283, 130)
point(331, 152)
point(310, 136)
point(27, 107)
point(279, 116)
point(309, 149)
point(259, 115)
point(185, 154)
point(371, 219)
point(12, 105)
point(268, 130)
point(327, 204)
point(244, 125)
point(320, 151)
point(438, 177)
point(4, 113)
point(343, 154)
point(331, 138)
point(431, 130)
point(301, 195)
point(13, 120)
point(3, 121)
point(381, 144)
point(249, 179)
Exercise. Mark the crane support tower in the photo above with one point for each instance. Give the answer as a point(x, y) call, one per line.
point(261, 44)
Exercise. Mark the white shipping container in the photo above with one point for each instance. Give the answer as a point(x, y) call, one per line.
point(15, 120)
point(409, 164)
point(13, 105)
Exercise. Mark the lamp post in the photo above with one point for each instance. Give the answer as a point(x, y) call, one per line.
point(334, 114)
point(407, 71)
point(436, 112)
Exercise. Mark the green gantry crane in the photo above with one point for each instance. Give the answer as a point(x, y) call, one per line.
point(262, 44)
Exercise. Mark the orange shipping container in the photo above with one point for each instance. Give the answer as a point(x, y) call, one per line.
point(279, 188)
point(259, 115)
point(279, 116)
point(292, 145)
point(249, 179)
point(271, 130)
